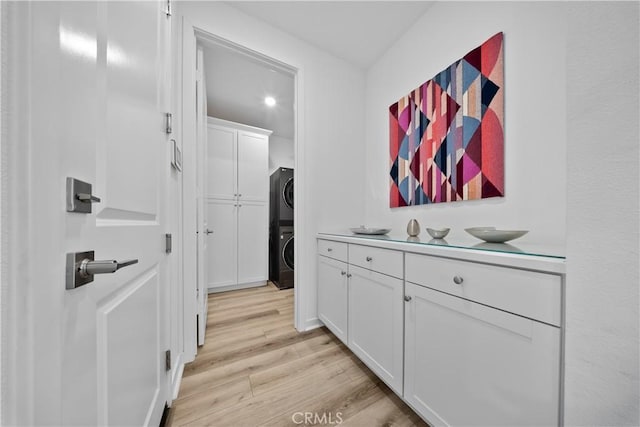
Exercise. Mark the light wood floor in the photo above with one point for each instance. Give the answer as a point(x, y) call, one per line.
point(255, 369)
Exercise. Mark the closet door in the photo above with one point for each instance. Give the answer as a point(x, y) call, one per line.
point(253, 242)
point(253, 166)
point(221, 263)
point(221, 162)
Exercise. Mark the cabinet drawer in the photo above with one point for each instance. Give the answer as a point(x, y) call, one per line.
point(522, 292)
point(335, 250)
point(383, 261)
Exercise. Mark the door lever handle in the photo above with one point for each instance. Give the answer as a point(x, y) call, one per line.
point(88, 268)
point(80, 268)
point(87, 198)
point(207, 231)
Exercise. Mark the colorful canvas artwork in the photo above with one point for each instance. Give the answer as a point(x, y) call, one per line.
point(446, 137)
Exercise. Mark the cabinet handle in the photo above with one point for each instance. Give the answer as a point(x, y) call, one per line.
point(458, 280)
point(329, 249)
point(343, 273)
point(369, 258)
point(407, 298)
point(348, 274)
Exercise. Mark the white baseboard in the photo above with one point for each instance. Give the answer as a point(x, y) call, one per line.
point(310, 324)
point(236, 287)
point(176, 380)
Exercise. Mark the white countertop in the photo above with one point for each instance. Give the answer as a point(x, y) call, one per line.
point(519, 253)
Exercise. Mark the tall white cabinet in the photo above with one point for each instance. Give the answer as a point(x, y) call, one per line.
point(237, 204)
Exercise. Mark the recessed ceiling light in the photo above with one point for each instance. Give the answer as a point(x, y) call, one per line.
point(270, 101)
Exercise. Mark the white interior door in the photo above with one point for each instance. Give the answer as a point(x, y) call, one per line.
point(204, 232)
point(94, 94)
point(222, 253)
point(253, 166)
point(253, 242)
point(221, 162)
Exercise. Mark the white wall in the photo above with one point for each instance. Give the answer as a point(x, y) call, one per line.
point(602, 335)
point(281, 153)
point(535, 129)
point(329, 188)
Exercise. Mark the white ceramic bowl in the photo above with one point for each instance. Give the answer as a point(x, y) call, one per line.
point(370, 230)
point(438, 233)
point(491, 235)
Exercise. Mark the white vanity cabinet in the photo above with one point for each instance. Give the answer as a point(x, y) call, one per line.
point(332, 287)
point(361, 302)
point(468, 364)
point(484, 338)
point(376, 313)
point(466, 337)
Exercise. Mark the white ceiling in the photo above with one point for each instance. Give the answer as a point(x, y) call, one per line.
point(356, 31)
point(237, 85)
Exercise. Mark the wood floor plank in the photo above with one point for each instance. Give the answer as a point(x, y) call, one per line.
point(345, 402)
point(286, 399)
point(256, 369)
point(269, 379)
point(223, 343)
point(388, 411)
point(247, 350)
point(192, 407)
point(224, 374)
point(318, 343)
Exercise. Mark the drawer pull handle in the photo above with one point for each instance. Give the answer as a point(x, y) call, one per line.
point(348, 274)
point(407, 298)
point(342, 273)
point(369, 258)
point(458, 280)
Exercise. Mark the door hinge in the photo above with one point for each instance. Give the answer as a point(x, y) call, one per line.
point(167, 241)
point(168, 10)
point(197, 103)
point(167, 360)
point(169, 119)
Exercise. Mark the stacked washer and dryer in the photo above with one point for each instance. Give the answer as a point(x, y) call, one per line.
point(281, 228)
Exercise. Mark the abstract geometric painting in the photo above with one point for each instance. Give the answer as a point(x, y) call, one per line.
point(446, 137)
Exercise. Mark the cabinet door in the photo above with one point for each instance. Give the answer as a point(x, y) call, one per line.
point(332, 295)
point(376, 323)
point(221, 262)
point(253, 166)
point(253, 242)
point(468, 364)
point(221, 162)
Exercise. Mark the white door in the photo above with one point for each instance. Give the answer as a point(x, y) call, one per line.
point(221, 162)
point(222, 268)
point(469, 364)
point(253, 166)
point(253, 242)
point(376, 323)
point(333, 295)
point(94, 90)
point(204, 233)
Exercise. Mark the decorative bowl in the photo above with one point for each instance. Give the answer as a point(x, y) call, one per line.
point(438, 233)
point(491, 235)
point(370, 230)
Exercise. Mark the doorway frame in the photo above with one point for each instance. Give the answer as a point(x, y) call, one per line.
point(205, 37)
